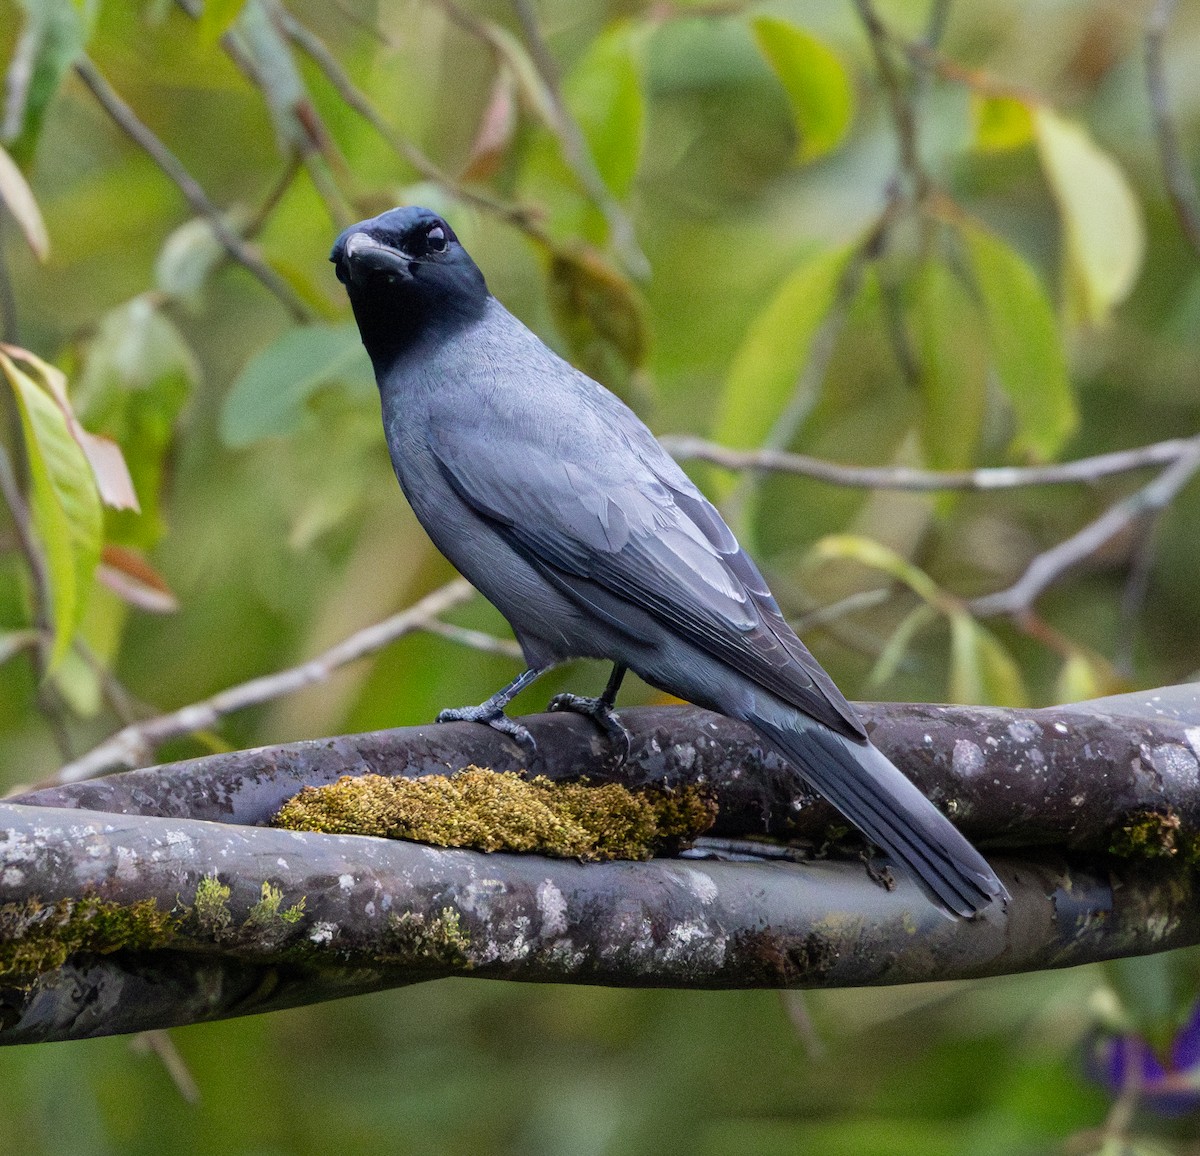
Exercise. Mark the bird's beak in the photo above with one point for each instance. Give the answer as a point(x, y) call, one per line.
point(362, 256)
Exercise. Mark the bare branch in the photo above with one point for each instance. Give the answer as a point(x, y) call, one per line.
point(134, 745)
point(1084, 470)
point(237, 248)
point(1049, 566)
point(1180, 186)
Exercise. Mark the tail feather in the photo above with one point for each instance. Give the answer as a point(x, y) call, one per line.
point(877, 798)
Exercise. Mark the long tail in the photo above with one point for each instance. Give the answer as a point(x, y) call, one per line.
point(876, 797)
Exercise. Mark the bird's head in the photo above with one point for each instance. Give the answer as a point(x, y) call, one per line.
point(407, 276)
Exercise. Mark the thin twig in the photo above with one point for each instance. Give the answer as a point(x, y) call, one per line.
point(314, 47)
point(1133, 597)
point(1083, 470)
point(159, 1043)
point(575, 150)
point(134, 745)
point(899, 101)
point(475, 639)
point(244, 254)
point(1180, 186)
point(1050, 565)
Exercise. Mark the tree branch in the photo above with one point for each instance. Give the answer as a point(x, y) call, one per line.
point(1049, 566)
point(1084, 470)
point(250, 918)
point(134, 745)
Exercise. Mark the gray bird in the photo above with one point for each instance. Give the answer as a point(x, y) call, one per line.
point(559, 505)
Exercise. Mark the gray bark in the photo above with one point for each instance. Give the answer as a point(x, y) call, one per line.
point(1056, 789)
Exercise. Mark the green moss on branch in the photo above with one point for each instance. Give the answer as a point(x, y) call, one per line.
point(501, 811)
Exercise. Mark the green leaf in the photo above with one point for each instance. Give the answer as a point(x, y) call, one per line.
point(1102, 221)
point(897, 646)
point(269, 395)
point(1000, 123)
point(65, 503)
point(604, 93)
point(820, 92)
point(190, 254)
point(953, 367)
point(18, 196)
point(982, 671)
point(51, 40)
point(600, 314)
point(856, 548)
point(217, 18)
point(1025, 343)
point(277, 77)
point(767, 366)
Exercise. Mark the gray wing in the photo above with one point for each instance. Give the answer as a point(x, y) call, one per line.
point(595, 501)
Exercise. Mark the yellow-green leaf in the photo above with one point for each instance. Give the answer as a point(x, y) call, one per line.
point(1026, 344)
point(897, 646)
point(855, 548)
point(816, 83)
point(1102, 221)
point(767, 367)
point(217, 18)
point(65, 503)
point(953, 368)
point(981, 669)
point(1000, 123)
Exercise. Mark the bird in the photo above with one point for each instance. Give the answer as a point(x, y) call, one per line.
point(559, 505)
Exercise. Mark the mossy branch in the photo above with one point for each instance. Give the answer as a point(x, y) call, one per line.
point(125, 906)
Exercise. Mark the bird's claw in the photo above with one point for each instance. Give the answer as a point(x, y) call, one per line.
point(495, 718)
point(601, 712)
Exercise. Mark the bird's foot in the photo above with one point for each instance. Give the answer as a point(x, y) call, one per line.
point(494, 717)
point(601, 712)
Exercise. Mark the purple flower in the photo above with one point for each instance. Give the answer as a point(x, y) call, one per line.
point(1125, 1062)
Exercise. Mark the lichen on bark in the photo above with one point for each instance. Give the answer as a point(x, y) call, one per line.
point(503, 811)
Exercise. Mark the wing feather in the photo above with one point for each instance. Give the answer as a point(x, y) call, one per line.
point(608, 507)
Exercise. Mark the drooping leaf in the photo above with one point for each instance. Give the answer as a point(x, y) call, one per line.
point(269, 395)
point(982, 671)
point(767, 366)
point(1000, 123)
point(868, 552)
point(128, 575)
point(952, 368)
point(1104, 233)
point(816, 82)
point(18, 196)
point(600, 313)
point(897, 646)
point(190, 254)
point(65, 503)
point(103, 455)
point(496, 129)
point(604, 94)
point(1026, 345)
point(54, 34)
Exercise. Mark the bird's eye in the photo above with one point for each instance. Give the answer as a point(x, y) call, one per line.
point(435, 238)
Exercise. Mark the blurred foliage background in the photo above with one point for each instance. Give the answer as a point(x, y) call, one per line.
point(903, 234)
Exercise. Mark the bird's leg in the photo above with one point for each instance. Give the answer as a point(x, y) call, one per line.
point(492, 713)
point(600, 711)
